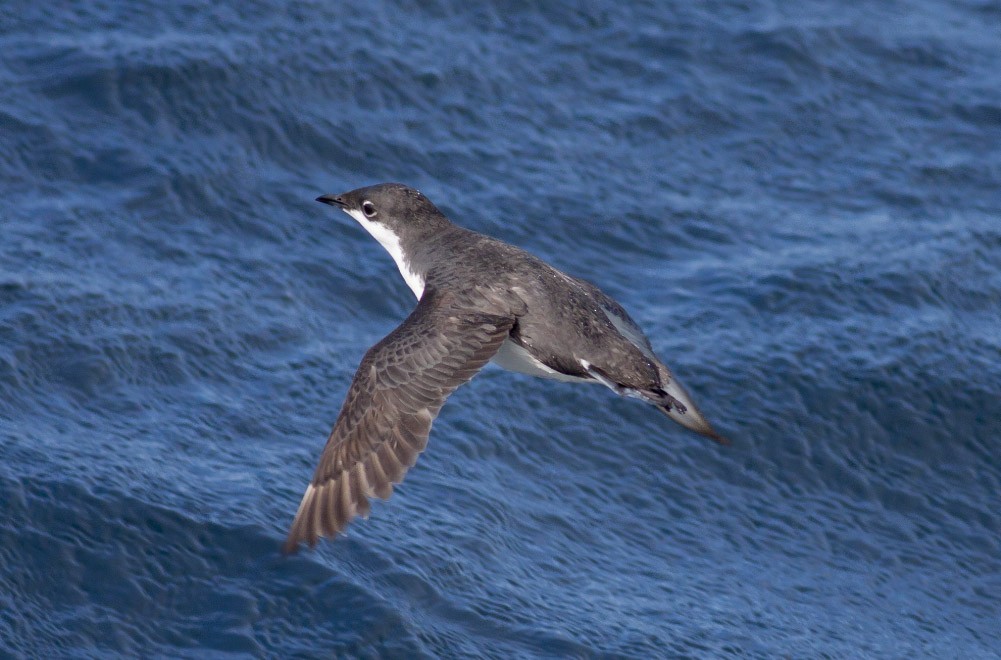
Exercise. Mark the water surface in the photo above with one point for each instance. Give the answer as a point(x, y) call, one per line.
point(801, 205)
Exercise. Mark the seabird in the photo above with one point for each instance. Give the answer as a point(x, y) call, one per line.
point(479, 299)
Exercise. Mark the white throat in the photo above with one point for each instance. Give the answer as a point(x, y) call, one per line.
point(389, 240)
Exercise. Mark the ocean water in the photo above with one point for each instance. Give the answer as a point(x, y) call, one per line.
point(800, 203)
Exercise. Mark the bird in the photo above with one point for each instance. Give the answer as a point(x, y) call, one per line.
point(479, 299)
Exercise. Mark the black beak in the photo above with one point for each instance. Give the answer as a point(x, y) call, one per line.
point(333, 200)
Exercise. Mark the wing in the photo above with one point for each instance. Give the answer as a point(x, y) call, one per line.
point(399, 388)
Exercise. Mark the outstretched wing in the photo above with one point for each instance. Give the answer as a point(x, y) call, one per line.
point(399, 388)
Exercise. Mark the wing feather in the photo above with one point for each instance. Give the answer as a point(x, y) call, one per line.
point(399, 388)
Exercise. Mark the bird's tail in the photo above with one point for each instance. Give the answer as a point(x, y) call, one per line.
point(672, 400)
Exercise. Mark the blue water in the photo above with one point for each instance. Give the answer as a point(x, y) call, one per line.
point(800, 202)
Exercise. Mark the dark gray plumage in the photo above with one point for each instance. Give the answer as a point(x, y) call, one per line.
point(479, 299)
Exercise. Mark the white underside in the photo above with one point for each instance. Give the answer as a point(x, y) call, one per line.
point(389, 240)
point(513, 357)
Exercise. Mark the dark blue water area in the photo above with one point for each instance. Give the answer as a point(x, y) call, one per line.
point(799, 202)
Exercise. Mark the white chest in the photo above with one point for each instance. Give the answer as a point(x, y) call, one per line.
point(391, 242)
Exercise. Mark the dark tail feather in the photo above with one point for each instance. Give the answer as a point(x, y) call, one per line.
point(671, 399)
point(678, 405)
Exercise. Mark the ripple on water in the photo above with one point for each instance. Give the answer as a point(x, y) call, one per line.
point(801, 208)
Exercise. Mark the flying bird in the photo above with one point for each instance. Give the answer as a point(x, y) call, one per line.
point(479, 299)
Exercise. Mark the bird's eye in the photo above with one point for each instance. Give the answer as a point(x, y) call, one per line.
point(368, 208)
